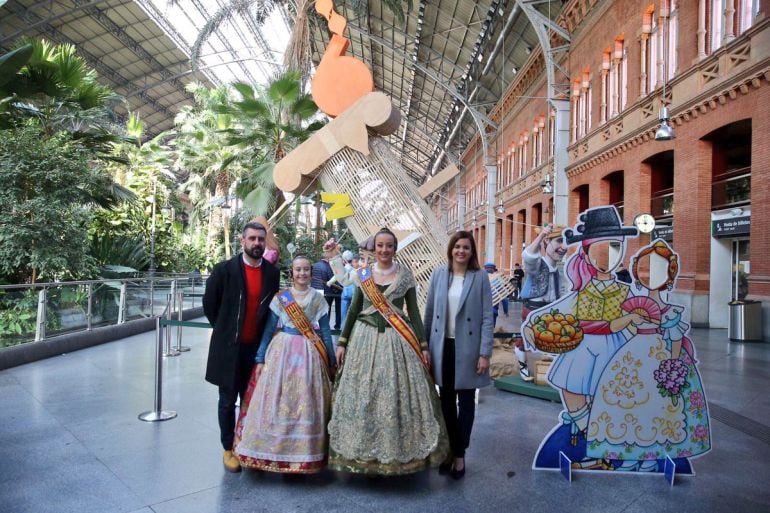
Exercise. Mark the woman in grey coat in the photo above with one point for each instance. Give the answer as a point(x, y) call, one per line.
point(458, 323)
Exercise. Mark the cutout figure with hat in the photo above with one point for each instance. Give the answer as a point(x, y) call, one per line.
point(584, 328)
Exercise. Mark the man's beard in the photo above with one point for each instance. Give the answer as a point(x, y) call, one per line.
point(255, 252)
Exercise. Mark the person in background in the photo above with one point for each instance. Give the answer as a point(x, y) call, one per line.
point(458, 319)
point(272, 246)
point(322, 274)
point(491, 268)
point(351, 264)
point(518, 279)
point(236, 303)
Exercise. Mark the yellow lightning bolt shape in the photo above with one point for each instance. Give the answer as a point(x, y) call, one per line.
point(340, 205)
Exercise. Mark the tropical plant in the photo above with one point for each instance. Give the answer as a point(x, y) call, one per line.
point(226, 146)
point(47, 188)
point(54, 86)
point(206, 161)
point(124, 235)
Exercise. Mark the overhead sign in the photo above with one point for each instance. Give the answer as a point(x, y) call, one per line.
point(665, 232)
point(731, 227)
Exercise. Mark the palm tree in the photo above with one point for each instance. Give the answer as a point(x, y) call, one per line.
point(275, 119)
point(206, 161)
point(54, 86)
point(223, 143)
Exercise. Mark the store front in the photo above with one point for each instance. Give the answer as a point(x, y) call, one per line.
point(730, 218)
point(730, 265)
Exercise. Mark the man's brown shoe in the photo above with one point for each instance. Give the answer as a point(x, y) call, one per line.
point(231, 462)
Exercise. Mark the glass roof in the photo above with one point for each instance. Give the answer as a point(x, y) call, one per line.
point(237, 51)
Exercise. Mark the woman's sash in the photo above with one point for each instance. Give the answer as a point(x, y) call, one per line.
point(302, 323)
point(388, 312)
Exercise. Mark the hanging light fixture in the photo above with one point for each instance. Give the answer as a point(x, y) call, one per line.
point(547, 185)
point(500, 208)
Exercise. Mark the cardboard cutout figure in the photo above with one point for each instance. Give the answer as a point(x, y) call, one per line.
point(624, 366)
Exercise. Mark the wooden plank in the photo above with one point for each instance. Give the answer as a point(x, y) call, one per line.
point(438, 180)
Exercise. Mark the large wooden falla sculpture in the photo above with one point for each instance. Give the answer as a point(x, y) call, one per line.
point(626, 368)
point(354, 162)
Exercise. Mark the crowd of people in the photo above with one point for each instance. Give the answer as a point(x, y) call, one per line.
point(394, 395)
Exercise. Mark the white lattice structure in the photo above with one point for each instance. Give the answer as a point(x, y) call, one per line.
point(348, 156)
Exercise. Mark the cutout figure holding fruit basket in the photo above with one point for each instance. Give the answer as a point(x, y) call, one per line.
point(585, 329)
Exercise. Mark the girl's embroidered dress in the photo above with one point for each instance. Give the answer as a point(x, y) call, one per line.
point(387, 416)
point(283, 426)
point(634, 422)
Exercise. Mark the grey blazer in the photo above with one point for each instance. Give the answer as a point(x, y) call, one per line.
point(473, 326)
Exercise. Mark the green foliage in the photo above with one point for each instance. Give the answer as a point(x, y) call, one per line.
point(46, 188)
point(18, 316)
point(53, 85)
point(12, 62)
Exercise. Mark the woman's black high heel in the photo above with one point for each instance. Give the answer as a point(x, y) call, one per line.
point(457, 474)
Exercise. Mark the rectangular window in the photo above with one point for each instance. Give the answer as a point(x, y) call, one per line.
point(551, 133)
point(716, 24)
point(624, 80)
point(652, 57)
point(746, 12)
point(672, 41)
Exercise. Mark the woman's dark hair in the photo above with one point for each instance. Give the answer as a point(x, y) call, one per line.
point(473, 261)
point(386, 231)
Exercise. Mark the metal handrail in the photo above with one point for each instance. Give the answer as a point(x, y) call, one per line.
point(146, 287)
point(94, 282)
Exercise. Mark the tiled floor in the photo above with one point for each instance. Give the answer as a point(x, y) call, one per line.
point(70, 441)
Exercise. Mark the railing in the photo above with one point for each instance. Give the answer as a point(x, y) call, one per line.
point(32, 313)
point(731, 189)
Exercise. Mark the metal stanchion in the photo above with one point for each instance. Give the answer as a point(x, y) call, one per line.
point(157, 414)
point(170, 351)
point(180, 308)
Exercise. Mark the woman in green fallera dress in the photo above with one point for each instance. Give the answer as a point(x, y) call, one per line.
point(386, 416)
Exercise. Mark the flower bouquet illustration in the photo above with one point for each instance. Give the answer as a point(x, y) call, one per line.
point(671, 378)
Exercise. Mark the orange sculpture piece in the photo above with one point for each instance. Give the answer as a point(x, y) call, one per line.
point(340, 80)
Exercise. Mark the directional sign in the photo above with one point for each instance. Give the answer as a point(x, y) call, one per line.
point(731, 227)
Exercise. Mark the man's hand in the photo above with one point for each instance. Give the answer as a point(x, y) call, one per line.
point(426, 357)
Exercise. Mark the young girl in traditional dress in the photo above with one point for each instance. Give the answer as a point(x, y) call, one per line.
point(283, 427)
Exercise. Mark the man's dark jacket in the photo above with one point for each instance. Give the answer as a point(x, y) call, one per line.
point(224, 304)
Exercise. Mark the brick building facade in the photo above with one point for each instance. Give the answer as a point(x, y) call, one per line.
point(707, 188)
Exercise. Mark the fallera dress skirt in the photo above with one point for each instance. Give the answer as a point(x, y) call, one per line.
point(284, 426)
point(387, 416)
